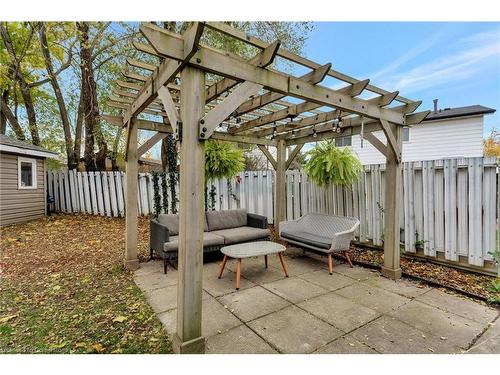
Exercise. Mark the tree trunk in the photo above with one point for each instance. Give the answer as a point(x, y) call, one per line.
point(3, 117)
point(23, 85)
point(70, 152)
point(78, 130)
point(88, 87)
point(9, 116)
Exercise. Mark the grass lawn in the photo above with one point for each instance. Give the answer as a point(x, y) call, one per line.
point(63, 289)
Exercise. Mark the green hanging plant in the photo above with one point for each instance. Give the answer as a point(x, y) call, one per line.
point(173, 175)
point(156, 194)
point(330, 165)
point(222, 160)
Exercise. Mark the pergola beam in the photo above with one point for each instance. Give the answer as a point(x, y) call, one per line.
point(375, 142)
point(293, 155)
point(268, 156)
point(239, 69)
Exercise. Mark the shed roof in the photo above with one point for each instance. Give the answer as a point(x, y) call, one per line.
point(8, 144)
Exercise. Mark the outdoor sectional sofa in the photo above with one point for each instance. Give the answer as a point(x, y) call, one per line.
point(222, 228)
point(321, 233)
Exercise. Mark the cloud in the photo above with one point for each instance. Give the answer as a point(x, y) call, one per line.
point(476, 53)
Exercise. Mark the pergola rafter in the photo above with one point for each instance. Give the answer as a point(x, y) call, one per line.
point(245, 103)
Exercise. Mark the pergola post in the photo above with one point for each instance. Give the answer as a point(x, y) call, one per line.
point(131, 262)
point(391, 268)
point(280, 186)
point(188, 338)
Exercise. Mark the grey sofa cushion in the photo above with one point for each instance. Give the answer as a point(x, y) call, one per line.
point(209, 239)
point(308, 239)
point(242, 234)
point(226, 219)
point(171, 221)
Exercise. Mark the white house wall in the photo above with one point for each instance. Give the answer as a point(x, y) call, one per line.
point(440, 139)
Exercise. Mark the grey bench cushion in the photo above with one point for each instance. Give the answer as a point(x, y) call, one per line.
point(309, 239)
point(209, 239)
point(171, 221)
point(226, 219)
point(241, 234)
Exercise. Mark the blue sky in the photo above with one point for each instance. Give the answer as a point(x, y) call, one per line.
point(456, 62)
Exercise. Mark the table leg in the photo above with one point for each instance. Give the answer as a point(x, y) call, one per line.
point(238, 273)
point(283, 264)
point(265, 260)
point(222, 266)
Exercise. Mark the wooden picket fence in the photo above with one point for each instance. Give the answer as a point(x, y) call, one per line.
point(449, 207)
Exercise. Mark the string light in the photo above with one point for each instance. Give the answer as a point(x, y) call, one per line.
point(315, 135)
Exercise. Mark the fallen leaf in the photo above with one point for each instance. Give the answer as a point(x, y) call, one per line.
point(98, 347)
point(58, 346)
point(5, 319)
point(120, 319)
point(444, 338)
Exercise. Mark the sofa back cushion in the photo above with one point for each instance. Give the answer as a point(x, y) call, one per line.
point(226, 219)
point(172, 223)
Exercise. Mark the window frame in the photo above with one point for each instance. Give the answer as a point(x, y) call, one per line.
point(409, 134)
point(342, 140)
point(33, 163)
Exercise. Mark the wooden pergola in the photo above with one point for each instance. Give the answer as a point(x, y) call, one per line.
point(245, 101)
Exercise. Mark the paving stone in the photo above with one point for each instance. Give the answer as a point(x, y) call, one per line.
point(252, 303)
point(214, 319)
point(458, 305)
point(151, 266)
point(258, 274)
point(455, 329)
point(295, 289)
point(225, 285)
point(403, 287)
point(389, 335)
point(155, 280)
point(339, 311)
point(162, 299)
point(357, 273)
point(239, 340)
point(489, 342)
point(327, 281)
point(303, 264)
point(345, 345)
point(373, 297)
point(293, 330)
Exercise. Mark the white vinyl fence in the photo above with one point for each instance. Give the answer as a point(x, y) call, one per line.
point(448, 206)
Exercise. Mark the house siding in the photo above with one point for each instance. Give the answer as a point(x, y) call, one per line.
point(17, 205)
point(439, 139)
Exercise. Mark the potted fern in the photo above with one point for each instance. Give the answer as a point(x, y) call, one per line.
point(222, 160)
point(330, 165)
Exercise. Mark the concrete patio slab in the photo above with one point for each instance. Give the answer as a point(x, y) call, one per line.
point(225, 285)
point(402, 287)
point(156, 280)
point(316, 312)
point(293, 330)
point(295, 289)
point(253, 303)
point(345, 345)
point(389, 335)
point(327, 281)
point(455, 329)
point(301, 265)
point(215, 318)
point(239, 340)
point(339, 311)
point(356, 273)
point(373, 297)
point(459, 305)
point(489, 341)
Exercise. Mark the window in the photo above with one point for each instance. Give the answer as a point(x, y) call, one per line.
point(343, 141)
point(405, 134)
point(26, 173)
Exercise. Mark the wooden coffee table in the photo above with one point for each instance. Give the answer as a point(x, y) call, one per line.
point(251, 249)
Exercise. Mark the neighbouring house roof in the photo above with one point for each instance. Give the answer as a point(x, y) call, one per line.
point(459, 112)
point(12, 145)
